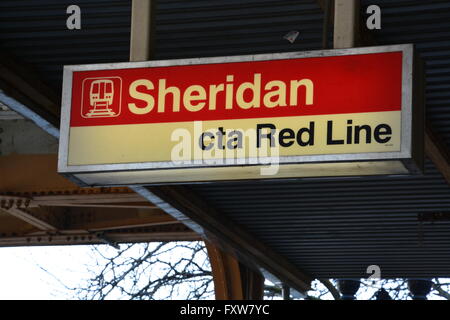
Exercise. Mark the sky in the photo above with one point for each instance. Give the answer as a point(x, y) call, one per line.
point(22, 275)
point(48, 272)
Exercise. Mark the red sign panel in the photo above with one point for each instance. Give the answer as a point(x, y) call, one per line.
point(241, 90)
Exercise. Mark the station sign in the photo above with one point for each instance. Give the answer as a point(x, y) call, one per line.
point(301, 114)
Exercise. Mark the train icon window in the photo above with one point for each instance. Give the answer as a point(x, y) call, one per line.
point(101, 98)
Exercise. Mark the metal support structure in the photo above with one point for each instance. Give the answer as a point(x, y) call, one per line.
point(286, 292)
point(346, 23)
point(346, 29)
point(233, 280)
point(176, 232)
point(420, 288)
point(252, 282)
point(40, 207)
point(70, 218)
point(348, 288)
point(33, 219)
point(438, 152)
point(84, 215)
point(328, 11)
point(22, 222)
point(22, 90)
point(32, 173)
point(8, 114)
point(142, 30)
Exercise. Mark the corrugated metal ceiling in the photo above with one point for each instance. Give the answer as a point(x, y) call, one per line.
point(200, 28)
point(36, 32)
point(427, 25)
point(337, 228)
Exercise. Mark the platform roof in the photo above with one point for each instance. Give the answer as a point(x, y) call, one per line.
point(328, 228)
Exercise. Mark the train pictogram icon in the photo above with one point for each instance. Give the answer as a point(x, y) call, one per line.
point(102, 95)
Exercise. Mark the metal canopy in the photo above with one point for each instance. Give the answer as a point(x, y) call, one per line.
point(327, 227)
point(337, 228)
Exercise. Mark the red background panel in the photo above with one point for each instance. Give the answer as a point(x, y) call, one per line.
point(342, 84)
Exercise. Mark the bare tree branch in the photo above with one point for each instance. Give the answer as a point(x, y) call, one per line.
point(150, 271)
point(331, 288)
point(181, 270)
point(440, 291)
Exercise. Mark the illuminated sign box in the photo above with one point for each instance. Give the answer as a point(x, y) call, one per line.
point(339, 112)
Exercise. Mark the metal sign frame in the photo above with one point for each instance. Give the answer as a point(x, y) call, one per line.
point(405, 152)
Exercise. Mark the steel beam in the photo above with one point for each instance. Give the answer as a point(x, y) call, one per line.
point(438, 152)
point(142, 30)
point(226, 274)
point(22, 90)
point(98, 219)
point(36, 173)
point(346, 23)
point(31, 218)
point(160, 233)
